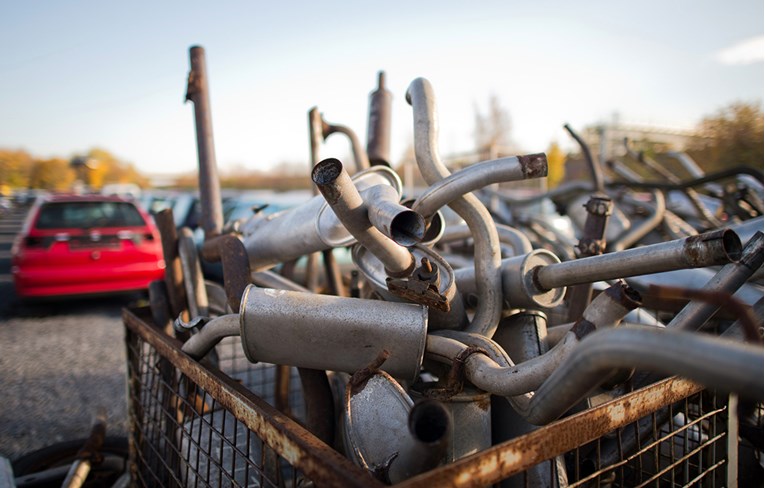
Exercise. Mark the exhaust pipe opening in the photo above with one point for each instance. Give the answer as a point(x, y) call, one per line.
point(429, 421)
point(407, 228)
point(731, 245)
point(327, 171)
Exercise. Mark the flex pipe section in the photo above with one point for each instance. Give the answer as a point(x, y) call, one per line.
point(487, 256)
point(710, 249)
point(477, 176)
point(346, 202)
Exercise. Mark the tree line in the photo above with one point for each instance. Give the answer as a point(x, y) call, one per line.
point(730, 137)
point(95, 168)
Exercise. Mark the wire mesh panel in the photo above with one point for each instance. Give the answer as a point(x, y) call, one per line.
point(683, 444)
point(277, 385)
point(671, 433)
point(192, 425)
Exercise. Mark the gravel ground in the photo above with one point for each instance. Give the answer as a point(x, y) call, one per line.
point(59, 362)
point(56, 372)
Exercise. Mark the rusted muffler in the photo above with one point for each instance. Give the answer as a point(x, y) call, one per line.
point(388, 434)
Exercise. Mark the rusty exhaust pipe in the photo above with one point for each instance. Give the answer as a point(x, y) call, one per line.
point(198, 92)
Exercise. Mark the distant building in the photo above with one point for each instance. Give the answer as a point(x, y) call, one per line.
point(606, 141)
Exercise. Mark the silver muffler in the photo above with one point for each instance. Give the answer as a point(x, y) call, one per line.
point(308, 228)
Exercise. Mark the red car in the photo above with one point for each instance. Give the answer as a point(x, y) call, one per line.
point(83, 245)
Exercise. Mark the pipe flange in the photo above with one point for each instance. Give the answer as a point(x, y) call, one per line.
point(519, 285)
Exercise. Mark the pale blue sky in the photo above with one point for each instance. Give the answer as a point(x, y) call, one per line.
point(79, 74)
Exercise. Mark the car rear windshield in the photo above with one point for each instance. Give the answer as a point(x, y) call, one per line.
point(84, 215)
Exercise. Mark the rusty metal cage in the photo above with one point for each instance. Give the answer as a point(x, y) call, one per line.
point(195, 424)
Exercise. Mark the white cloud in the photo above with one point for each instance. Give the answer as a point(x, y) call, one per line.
point(748, 51)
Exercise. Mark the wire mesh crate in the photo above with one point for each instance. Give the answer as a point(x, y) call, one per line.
point(194, 424)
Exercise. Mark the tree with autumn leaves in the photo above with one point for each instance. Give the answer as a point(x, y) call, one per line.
point(19, 169)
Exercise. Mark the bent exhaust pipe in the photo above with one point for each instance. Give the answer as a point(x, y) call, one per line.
point(308, 228)
point(498, 375)
point(487, 257)
point(697, 357)
point(347, 204)
point(477, 176)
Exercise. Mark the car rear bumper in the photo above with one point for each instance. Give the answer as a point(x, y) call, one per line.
point(64, 281)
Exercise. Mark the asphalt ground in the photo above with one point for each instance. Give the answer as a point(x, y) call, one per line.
point(60, 361)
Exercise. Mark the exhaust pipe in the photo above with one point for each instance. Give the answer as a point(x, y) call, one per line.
point(707, 360)
point(477, 176)
point(306, 229)
point(487, 255)
point(346, 202)
point(729, 279)
point(710, 249)
point(198, 92)
point(378, 128)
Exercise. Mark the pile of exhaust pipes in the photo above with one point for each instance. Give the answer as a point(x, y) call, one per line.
point(448, 338)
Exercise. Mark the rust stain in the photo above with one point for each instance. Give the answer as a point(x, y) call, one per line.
point(533, 165)
point(512, 457)
point(324, 174)
point(289, 440)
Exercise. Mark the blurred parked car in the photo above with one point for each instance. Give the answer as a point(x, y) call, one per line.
point(83, 245)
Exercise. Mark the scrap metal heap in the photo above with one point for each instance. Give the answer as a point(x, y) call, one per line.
point(467, 317)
